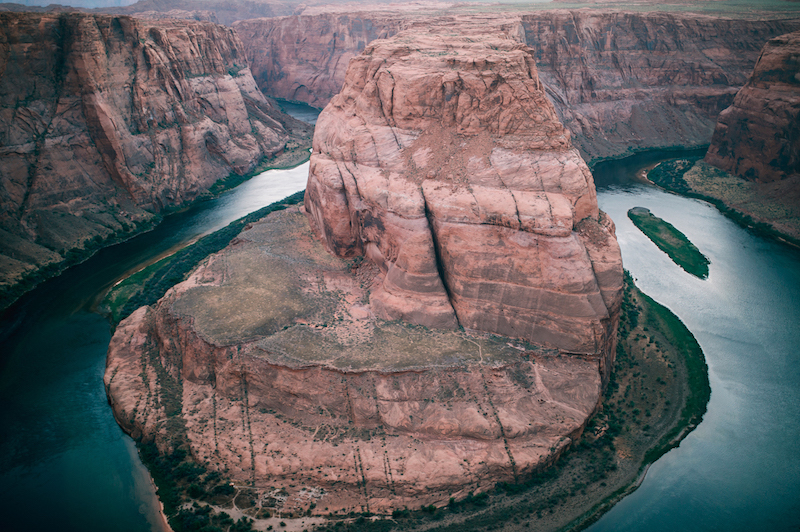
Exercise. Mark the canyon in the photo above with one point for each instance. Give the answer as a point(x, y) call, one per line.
point(106, 121)
point(620, 81)
point(438, 316)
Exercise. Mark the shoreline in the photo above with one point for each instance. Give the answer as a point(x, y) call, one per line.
point(286, 160)
point(674, 180)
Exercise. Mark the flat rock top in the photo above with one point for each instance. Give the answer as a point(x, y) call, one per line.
point(278, 292)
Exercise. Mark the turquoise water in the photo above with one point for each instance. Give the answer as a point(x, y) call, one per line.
point(740, 469)
point(64, 462)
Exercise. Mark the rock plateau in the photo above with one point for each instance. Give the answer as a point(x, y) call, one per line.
point(448, 193)
point(105, 120)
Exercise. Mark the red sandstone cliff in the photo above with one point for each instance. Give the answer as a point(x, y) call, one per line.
point(105, 120)
point(304, 58)
point(758, 137)
point(444, 163)
point(618, 81)
point(269, 367)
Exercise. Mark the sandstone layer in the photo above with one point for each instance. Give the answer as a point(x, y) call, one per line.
point(758, 137)
point(106, 120)
point(443, 162)
point(270, 363)
point(619, 81)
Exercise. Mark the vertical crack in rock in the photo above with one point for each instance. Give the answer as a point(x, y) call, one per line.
point(500, 190)
point(248, 431)
point(438, 257)
point(359, 468)
point(511, 460)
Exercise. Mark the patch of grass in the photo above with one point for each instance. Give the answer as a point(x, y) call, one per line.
point(120, 294)
point(670, 175)
point(149, 285)
point(699, 388)
point(670, 241)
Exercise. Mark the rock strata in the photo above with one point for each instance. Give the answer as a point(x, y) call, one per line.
point(758, 137)
point(443, 162)
point(270, 364)
point(106, 120)
point(619, 81)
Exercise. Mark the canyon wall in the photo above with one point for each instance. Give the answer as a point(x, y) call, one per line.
point(106, 120)
point(758, 137)
point(304, 58)
point(627, 81)
point(619, 81)
point(443, 162)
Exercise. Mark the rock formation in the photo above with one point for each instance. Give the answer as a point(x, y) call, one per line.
point(619, 81)
point(449, 194)
point(758, 137)
point(443, 162)
point(268, 361)
point(105, 120)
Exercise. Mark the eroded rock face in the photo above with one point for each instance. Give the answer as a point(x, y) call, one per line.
point(625, 81)
point(443, 162)
point(268, 362)
point(304, 58)
point(758, 137)
point(617, 80)
point(105, 120)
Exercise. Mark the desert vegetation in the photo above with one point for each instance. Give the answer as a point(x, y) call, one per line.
point(671, 241)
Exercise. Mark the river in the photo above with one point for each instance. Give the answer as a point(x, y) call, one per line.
point(65, 464)
point(740, 469)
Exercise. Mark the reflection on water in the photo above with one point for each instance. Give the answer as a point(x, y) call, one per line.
point(739, 470)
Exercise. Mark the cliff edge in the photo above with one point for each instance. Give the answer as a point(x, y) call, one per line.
point(105, 120)
point(758, 137)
